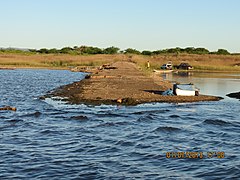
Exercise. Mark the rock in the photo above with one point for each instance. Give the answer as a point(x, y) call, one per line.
point(37, 114)
point(8, 108)
point(129, 101)
point(42, 97)
point(87, 76)
point(119, 100)
point(234, 95)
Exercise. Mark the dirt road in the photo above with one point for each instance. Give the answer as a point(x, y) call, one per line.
point(123, 83)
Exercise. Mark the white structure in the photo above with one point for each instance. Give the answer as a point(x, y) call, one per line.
point(185, 90)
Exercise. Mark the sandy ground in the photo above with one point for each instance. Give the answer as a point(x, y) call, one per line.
point(126, 84)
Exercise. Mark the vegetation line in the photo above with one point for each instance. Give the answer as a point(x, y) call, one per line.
point(65, 58)
point(89, 50)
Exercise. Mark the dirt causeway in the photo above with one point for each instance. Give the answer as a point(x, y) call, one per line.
point(123, 83)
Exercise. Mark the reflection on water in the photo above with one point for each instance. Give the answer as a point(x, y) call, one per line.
point(53, 140)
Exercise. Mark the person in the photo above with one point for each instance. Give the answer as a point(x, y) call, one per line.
point(148, 64)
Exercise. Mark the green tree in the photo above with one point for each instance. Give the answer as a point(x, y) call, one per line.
point(111, 50)
point(131, 51)
point(200, 51)
point(43, 51)
point(94, 50)
point(222, 52)
point(148, 53)
point(158, 52)
point(66, 50)
point(89, 50)
point(53, 51)
point(32, 50)
point(174, 50)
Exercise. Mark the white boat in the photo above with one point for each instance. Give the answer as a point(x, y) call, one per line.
point(162, 71)
point(185, 90)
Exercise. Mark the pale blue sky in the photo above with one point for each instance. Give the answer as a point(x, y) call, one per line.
point(140, 24)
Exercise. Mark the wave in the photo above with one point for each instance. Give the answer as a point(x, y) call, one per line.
point(122, 123)
point(35, 114)
point(174, 116)
point(145, 118)
point(166, 129)
point(82, 118)
point(152, 111)
point(13, 121)
point(217, 122)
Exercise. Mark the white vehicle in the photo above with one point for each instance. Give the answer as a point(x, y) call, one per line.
point(185, 90)
point(167, 66)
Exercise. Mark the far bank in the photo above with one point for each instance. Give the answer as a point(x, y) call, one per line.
point(210, 62)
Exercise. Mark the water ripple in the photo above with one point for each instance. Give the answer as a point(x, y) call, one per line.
point(52, 139)
point(217, 122)
point(166, 129)
point(81, 118)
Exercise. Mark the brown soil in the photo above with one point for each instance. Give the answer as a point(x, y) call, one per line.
point(124, 84)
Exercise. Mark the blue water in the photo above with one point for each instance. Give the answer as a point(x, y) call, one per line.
point(53, 140)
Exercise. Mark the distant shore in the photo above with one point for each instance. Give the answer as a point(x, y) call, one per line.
point(209, 63)
point(125, 84)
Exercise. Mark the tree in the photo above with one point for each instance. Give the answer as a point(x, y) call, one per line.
point(43, 51)
point(53, 51)
point(94, 50)
point(148, 53)
point(158, 52)
point(222, 52)
point(131, 51)
point(66, 50)
point(111, 50)
point(189, 50)
point(33, 50)
point(201, 51)
point(173, 50)
point(89, 50)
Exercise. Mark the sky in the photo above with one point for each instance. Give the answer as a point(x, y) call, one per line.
point(139, 24)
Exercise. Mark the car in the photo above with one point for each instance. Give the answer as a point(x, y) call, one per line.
point(167, 66)
point(185, 66)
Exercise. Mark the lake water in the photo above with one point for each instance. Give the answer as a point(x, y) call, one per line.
point(52, 140)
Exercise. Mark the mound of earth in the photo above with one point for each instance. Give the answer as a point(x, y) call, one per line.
point(124, 84)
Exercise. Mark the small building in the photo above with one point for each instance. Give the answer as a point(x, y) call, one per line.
point(185, 66)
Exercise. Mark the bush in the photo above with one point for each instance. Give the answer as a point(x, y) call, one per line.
point(148, 53)
point(131, 51)
point(222, 52)
point(111, 50)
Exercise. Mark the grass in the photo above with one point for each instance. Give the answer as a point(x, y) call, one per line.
point(199, 62)
point(63, 61)
point(52, 61)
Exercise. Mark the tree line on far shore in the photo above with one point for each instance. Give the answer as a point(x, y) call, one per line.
point(89, 50)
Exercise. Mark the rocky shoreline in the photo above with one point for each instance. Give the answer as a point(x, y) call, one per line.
point(124, 84)
point(234, 95)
